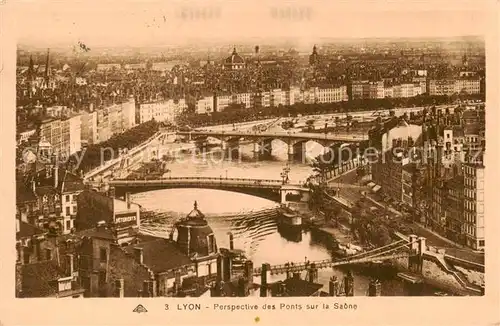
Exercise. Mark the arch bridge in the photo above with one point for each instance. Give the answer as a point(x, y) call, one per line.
point(262, 140)
point(272, 189)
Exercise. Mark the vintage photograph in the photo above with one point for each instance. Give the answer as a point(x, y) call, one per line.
point(151, 164)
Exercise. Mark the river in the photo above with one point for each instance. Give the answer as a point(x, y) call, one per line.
point(250, 219)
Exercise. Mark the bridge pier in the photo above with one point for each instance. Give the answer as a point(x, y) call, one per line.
point(264, 279)
point(262, 149)
point(375, 288)
point(230, 149)
point(296, 151)
point(333, 286)
point(417, 249)
point(349, 285)
point(313, 273)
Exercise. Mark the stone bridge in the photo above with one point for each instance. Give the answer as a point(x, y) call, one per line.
point(262, 140)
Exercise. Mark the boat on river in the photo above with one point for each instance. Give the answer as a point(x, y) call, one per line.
point(289, 217)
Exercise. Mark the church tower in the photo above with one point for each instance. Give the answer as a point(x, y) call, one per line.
point(47, 74)
point(31, 77)
point(314, 57)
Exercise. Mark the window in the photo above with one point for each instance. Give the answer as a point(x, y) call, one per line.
point(481, 243)
point(68, 224)
point(103, 255)
point(67, 211)
point(48, 254)
point(74, 209)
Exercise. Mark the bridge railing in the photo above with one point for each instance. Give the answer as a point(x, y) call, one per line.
point(282, 268)
point(317, 136)
point(110, 163)
point(274, 181)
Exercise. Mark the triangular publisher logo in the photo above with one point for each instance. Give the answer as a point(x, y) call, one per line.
point(140, 308)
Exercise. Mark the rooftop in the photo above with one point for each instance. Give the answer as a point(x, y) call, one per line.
point(24, 193)
point(38, 279)
point(161, 255)
point(472, 129)
point(295, 287)
point(27, 230)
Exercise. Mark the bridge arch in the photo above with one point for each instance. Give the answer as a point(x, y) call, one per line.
point(269, 193)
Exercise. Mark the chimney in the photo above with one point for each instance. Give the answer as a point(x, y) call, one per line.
point(111, 192)
point(101, 225)
point(56, 176)
point(71, 266)
point(422, 248)
point(219, 269)
point(313, 273)
point(147, 288)
point(24, 216)
point(282, 289)
point(120, 292)
point(263, 279)
point(227, 268)
point(349, 285)
point(249, 272)
point(333, 286)
point(242, 287)
point(231, 241)
point(38, 254)
point(177, 283)
point(18, 226)
point(374, 288)
point(127, 199)
point(138, 254)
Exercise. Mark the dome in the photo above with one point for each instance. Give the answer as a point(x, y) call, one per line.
point(195, 236)
point(235, 61)
point(44, 143)
point(195, 213)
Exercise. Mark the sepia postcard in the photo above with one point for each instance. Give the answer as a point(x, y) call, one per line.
point(230, 162)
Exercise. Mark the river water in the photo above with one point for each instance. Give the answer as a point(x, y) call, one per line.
point(252, 220)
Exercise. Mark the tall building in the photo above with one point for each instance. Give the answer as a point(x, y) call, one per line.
point(89, 128)
point(474, 205)
point(64, 135)
point(205, 105)
point(115, 119)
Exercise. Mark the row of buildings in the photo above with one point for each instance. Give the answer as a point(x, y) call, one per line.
point(437, 170)
point(419, 85)
point(66, 132)
point(168, 110)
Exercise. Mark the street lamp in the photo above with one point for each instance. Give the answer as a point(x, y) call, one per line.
point(226, 174)
point(284, 174)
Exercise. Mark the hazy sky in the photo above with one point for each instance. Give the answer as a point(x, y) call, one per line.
point(117, 23)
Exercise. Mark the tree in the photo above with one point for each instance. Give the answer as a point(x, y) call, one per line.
point(320, 168)
point(310, 124)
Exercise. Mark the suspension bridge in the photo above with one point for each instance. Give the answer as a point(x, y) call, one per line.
point(397, 249)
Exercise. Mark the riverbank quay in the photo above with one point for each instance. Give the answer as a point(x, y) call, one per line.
point(438, 269)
